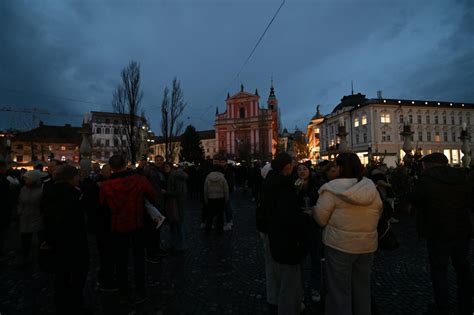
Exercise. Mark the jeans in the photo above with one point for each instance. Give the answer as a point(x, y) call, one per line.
point(289, 285)
point(178, 241)
point(348, 282)
point(121, 244)
point(439, 253)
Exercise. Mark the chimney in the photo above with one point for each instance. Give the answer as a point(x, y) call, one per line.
point(379, 95)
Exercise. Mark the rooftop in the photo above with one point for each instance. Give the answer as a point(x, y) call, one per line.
point(51, 134)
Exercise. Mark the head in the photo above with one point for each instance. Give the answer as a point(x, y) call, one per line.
point(66, 174)
point(349, 166)
point(283, 163)
point(329, 169)
point(142, 163)
point(39, 167)
point(167, 167)
point(434, 160)
point(303, 171)
point(223, 163)
point(106, 171)
point(52, 166)
point(159, 161)
point(117, 163)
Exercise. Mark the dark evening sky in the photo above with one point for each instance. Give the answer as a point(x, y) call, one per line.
point(54, 52)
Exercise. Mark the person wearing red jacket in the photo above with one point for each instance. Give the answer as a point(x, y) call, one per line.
point(124, 195)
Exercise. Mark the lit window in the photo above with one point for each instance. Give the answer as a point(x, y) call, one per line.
point(364, 119)
point(437, 137)
point(356, 122)
point(385, 118)
point(63, 158)
point(316, 131)
point(63, 148)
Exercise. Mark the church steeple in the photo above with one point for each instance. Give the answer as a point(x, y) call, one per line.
point(272, 100)
point(256, 92)
point(241, 87)
point(217, 110)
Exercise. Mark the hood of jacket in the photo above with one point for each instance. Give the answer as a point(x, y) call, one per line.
point(362, 193)
point(447, 175)
point(215, 177)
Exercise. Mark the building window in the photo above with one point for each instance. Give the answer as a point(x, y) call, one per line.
point(418, 118)
point(385, 118)
point(19, 158)
point(454, 136)
point(468, 119)
point(63, 148)
point(428, 136)
point(107, 143)
point(400, 120)
point(357, 138)
point(107, 131)
point(428, 119)
point(364, 119)
point(19, 146)
point(242, 112)
point(98, 131)
point(460, 120)
point(116, 122)
point(98, 143)
point(356, 122)
point(436, 119)
point(452, 120)
point(365, 138)
point(445, 120)
point(420, 136)
point(385, 137)
point(437, 137)
point(410, 119)
point(116, 142)
point(107, 121)
point(116, 131)
point(445, 136)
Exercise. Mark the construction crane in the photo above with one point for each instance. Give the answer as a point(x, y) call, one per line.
point(34, 113)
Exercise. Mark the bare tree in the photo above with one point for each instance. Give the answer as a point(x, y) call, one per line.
point(172, 108)
point(126, 101)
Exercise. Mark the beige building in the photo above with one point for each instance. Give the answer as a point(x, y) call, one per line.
point(376, 124)
point(313, 135)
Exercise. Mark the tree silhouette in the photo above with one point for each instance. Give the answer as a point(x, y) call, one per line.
point(191, 148)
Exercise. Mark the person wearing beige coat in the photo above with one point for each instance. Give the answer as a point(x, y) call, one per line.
point(348, 209)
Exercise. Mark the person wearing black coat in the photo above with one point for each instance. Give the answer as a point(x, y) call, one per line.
point(443, 199)
point(65, 234)
point(287, 233)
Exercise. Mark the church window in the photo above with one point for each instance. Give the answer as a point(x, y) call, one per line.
point(242, 112)
point(364, 119)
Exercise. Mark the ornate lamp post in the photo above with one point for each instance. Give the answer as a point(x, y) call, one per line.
point(465, 147)
point(407, 145)
point(342, 134)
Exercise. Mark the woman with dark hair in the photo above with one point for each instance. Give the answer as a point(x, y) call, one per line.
point(66, 236)
point(288, 242)
point(348, 208)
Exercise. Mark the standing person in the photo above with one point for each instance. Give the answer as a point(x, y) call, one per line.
point(443, 199)
point(65, 234)
point(229, 175)
point(216, 195)
point(29, 212)
point(155, 174)
point(124, 195)
point(287, 234)
point(5, 206)
point(307, 192)
point(348, 209)
point(176, 193)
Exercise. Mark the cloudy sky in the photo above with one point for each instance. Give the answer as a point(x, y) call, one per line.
point(54, 54)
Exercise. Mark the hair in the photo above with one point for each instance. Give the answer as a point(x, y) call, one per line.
point(38, 166)
point(65, 173)
point(280, 161)
point(159, 157)
point(117, 162)
point(326, 166)
point(350, 164)
point(305, 165)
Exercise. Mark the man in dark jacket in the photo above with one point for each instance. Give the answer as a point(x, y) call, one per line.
point(286, 233)
point(124, 194)
point(442, 197)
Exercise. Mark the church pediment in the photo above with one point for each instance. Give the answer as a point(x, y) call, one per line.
point(242, 95)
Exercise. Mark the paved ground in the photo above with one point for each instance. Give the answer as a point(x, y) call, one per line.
point(225, 275)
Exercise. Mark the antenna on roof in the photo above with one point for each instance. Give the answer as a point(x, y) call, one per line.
point(352, 87)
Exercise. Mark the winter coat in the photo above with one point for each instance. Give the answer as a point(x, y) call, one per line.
point(349, 211)
point(216, 187)
point(287, 225)
point(124, 195)
point(65, 227)
point(29, 209)
point(443, 199)
point(177, 188)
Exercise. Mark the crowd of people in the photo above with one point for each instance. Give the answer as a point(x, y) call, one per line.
point(329, 214)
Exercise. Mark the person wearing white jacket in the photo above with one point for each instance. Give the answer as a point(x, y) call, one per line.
point(349, 209)
point(216, 195)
